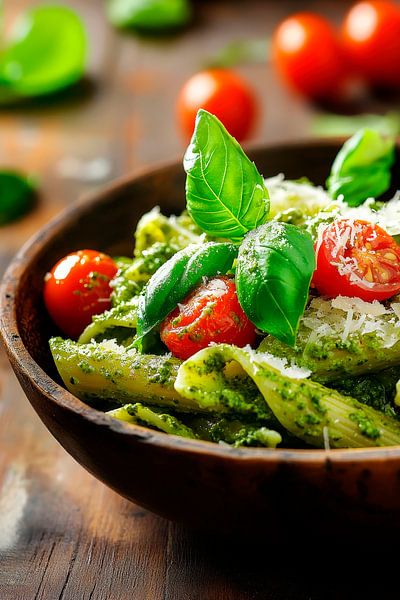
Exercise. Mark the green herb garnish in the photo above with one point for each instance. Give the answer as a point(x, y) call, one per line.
point(151, 15)
point(225, 193)
point(46, 52)
point(176, 278)
point(273, 274)
point(239, 52)
point(17, 195)
point(361, 169)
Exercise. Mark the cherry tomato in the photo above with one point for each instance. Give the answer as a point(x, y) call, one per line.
point(371, 38)
point(222, 93)
point(308, 56)
point(78, 287)
point(357, 259)
point(211, 313)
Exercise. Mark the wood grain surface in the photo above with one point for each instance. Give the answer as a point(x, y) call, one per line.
point(64, 535)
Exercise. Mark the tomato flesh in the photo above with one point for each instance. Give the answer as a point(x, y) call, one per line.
point(357, 259)
point(371, 39)
point(211, 313)
point(308, 56)
point(78, 287)
point(222, 93)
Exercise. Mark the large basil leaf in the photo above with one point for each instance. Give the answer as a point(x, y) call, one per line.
point(176, 278)
point(46, 52)
point(149, 14)
point(225, 193)
point(273, 274)
point(361, 169)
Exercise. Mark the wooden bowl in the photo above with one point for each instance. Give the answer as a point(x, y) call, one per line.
point(206, 485)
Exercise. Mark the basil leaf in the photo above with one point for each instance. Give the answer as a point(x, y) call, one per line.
point(239, 52)
point(331, 124)
point(273, 274)
point(17, 195)
point(47, 53)
point(361, 169)
point(176, 278)
point(225, 193)
point(149, 14)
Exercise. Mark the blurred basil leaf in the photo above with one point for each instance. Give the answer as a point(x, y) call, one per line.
point(150, 15)
point(330, 124)
point(17, 195)
point(361, 169)
point(46, 52)
point(239, 52)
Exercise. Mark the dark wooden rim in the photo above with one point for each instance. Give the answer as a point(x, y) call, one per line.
point(45, 385)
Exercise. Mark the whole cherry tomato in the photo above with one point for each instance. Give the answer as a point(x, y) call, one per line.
point(78, 287)
point(357, 259)
point(307, 55)
point(371, 38)
point(211, 313)
point(222, 93)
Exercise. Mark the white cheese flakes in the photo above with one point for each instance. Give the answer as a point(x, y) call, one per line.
point(345, 317)
point(280, 364)
point(374, 308)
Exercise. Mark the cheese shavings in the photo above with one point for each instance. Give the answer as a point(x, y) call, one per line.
point(285, 194)
point(280, 364)
point(349, 318)
point(387, 217)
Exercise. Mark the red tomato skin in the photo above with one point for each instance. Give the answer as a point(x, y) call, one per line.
point(371, 40)
point(222, 93)
point(308, 57)
point(76, 288)
point(329, 282)
point(211, 313)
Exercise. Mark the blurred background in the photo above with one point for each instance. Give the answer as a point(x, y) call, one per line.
point(92, 90)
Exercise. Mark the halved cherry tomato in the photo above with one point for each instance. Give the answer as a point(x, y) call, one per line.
point(77, 288)
point(371, 38)
point(308, 56)
point(222, 93)
point(357, 259)
point(211, 313)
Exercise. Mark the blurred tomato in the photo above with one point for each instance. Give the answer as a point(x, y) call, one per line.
point(371, 38)
point(222, 93)
point(308, 56)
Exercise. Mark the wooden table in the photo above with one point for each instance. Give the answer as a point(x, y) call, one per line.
point(63, 534)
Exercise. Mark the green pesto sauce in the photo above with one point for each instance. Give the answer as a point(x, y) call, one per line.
point(85, 367)
point(366, 425)
point(164, 374)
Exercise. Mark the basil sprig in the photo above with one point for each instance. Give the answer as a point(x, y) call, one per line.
point(176, 278)
point(149, 15)
point(361, 169)
point(225, 193)
point(273, 273)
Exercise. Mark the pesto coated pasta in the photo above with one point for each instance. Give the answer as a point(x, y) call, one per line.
point(266, 314)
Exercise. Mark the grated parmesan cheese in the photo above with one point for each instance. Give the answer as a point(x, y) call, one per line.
point(280, 364)
point(374, 308)
point(285, 194)
point(395, 306)
point(344, 318)
point(387, 217)
point(325, 435)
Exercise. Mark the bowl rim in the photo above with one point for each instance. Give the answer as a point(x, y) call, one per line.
point(23, 362)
